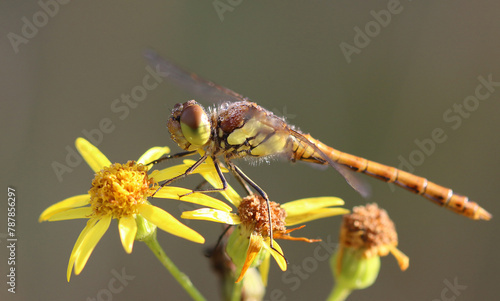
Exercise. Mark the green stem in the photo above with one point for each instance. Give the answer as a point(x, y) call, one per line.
point(182, 278)
point(236, 290)
point(339, 293)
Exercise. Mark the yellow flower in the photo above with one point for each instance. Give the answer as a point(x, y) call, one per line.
point(120, 191)
point(252, 234)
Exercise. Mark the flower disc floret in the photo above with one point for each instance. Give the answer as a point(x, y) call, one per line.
point(369, 228)
point(119, 189)
point(253, 213)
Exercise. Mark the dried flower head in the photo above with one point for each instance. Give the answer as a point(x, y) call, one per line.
point(365, 235)
point(252, 232)
point(253, 213)
point(370, 229)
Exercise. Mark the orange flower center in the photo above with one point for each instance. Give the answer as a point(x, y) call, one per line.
point(369, 228)
point(253, 213)
point(119, 189)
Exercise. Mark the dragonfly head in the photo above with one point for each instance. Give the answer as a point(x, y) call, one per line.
point(189, 125)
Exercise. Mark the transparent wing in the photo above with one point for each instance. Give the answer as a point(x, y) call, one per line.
point(190, 82)
point(213, 93)
point(352, 179)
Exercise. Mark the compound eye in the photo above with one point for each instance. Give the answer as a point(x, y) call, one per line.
point(195, 125)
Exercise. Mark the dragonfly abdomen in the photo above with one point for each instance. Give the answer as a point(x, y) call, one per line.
point(442, 196)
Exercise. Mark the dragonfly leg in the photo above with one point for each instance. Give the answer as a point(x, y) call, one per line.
point(223, 180)
point(174, 156)
point(242, 183)
point(221, 177)
point(240, 173)
point(187, 172)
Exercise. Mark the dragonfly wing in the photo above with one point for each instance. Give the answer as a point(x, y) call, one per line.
point(191, 82)
point(352, 179)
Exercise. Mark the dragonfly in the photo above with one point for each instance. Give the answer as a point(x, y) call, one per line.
point(239, 128)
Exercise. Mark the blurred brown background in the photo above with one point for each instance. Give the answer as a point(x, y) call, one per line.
point(286, 56)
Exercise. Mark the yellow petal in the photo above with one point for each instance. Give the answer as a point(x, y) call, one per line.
point(206, 169)
point(74, 253)
point(169, 192)
point(152, 154)
point(128, 229)
point(168, 223)
point(264, 268)
point(277, 256)
point(303, 205)
point(72, 202)
point(177, 170)
point(229, 194)
point(403, 260)
point(252, 252)
point(89, 242)
point(212, 215)
point(82, 212)
point(92, 155)
point(313, 215)
point(208, 165)
point(212, 177)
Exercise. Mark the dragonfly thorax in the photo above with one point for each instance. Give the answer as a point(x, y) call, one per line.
point(189, 125)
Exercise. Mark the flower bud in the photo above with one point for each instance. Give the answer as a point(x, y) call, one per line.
point(145, 228)
point(365, 235)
